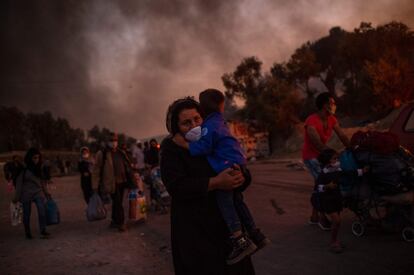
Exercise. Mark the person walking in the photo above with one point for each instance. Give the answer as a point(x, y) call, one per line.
point(110, 176)
point(138, 155)
point(152, 157)
point(31, 188)
point(85, 167)
point(319, 128)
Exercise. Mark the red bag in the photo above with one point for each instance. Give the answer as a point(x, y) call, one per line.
point(384, 143)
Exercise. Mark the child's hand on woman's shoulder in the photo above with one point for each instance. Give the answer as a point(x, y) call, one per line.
point(180, 140)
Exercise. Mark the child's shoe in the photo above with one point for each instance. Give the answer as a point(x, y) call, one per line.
point(325, 224)
point(242, 247)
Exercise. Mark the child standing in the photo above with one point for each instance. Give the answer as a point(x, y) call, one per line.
point(223, 151)
point(327, 196)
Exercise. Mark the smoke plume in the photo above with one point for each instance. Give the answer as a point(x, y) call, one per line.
point(120, 63)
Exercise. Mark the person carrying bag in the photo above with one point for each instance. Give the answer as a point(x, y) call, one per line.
point(30, 187)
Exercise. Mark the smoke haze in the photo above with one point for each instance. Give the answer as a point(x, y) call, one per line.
point(120, 63)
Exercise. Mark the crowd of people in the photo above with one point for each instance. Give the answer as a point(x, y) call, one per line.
point(107, 173)
point(205, 172)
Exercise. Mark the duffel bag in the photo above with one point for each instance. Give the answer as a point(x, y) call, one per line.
point(52, 212)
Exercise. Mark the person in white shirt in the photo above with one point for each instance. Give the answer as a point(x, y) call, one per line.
point(138, 155)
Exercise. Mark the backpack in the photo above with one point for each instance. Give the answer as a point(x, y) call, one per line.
point(384, 143)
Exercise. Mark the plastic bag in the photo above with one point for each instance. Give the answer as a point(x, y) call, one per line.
point(52, 212)
point(16, 213)
point(142, 208)
point(96, 209)
point(137, 206)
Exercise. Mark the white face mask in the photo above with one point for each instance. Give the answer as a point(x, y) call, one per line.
point(337, 164)
point(332, 110)
point(113, 144)
point(194, 134)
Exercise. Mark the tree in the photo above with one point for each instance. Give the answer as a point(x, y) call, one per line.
point(327, 51)
point(268, 99)
point(14, 133)
point(392, 80)
point(374, 59)
point(302, 66)
point(246, 83)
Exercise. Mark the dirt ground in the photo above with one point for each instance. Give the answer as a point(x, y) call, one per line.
point(81, 247)
point(279, 201)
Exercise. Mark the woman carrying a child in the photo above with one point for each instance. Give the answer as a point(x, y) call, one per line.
point(199, 235)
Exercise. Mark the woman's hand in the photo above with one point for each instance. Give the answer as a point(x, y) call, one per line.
point(227, 180)
point(180, 141)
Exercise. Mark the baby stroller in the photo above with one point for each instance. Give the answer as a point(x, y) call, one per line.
point(160, 198)
point(384, 198)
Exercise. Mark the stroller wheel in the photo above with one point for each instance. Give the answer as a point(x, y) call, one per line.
point(408, 234)
point(358, 229)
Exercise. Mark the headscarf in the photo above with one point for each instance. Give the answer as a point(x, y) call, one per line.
point(174, 110)
point(84, 148)
point(36, 169)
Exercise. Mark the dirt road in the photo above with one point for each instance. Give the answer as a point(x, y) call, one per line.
point(278, 199)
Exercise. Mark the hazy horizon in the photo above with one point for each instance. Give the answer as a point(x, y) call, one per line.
point(119, 64)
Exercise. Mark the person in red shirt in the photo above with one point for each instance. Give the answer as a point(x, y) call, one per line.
point(319, 128)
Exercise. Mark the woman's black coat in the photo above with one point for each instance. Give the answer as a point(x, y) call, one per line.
point(199, 235)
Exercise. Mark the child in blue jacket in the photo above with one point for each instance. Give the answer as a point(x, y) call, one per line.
point(214, 140)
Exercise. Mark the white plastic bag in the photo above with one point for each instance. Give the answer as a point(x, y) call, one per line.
point(16, 213)
point(96, 209)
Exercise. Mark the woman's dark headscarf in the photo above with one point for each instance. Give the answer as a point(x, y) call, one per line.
point(36, 169)
point(175, 109)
